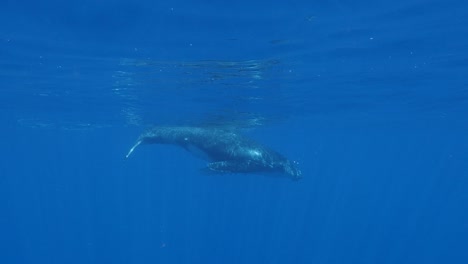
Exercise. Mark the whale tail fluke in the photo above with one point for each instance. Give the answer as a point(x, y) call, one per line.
point(133, 148)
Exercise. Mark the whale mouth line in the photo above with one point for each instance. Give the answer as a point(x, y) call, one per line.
point(133, 148)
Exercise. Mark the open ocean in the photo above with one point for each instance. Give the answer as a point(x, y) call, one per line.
point(369, 97)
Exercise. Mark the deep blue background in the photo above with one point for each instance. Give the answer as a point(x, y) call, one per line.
point(369, 97)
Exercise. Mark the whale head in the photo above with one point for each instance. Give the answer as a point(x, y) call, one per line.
point(290, 168)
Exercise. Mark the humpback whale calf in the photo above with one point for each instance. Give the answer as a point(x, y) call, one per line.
point(226, 150)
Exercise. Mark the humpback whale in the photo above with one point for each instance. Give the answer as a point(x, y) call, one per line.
point(225, 150)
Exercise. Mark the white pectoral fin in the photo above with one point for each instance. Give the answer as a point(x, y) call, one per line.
point(225, 166)
point(133, 148)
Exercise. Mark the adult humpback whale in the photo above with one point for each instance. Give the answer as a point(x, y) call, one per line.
point(225, 150)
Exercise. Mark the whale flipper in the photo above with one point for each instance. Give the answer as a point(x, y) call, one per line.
point(224, 166)
point(234, 166)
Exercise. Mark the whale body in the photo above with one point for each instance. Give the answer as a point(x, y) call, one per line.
point(225, 150)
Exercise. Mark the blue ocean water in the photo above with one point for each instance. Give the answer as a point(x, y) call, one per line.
point(370, 97)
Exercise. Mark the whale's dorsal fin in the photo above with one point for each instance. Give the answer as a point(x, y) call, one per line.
point(133, 148)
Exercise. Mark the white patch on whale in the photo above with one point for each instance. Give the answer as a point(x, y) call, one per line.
point(255, 153)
